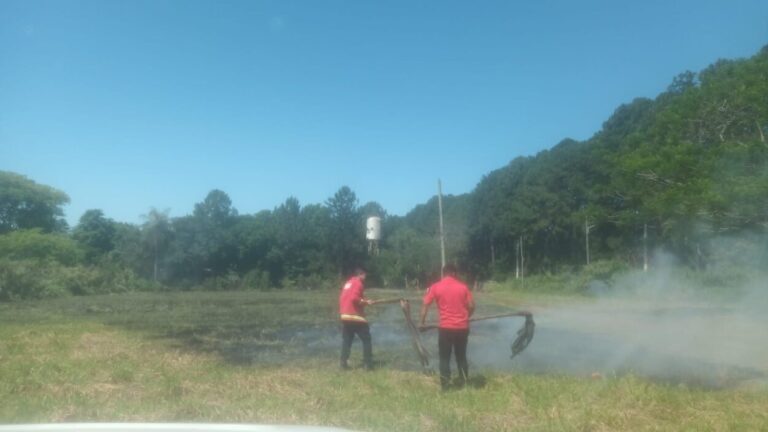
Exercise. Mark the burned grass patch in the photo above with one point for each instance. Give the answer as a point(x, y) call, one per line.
point(691, 345)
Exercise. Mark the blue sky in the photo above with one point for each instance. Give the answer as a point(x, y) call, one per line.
point(127, 105)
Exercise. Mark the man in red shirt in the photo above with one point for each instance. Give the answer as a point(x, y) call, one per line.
point(454, 305)
point(352, 305)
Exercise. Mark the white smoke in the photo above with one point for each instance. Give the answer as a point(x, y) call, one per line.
point(662, 324)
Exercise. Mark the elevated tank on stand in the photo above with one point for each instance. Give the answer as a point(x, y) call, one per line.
point(373, 234)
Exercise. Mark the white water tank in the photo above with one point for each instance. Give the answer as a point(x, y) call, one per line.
point(373, 228)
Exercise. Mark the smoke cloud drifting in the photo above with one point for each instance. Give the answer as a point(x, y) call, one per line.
point(658, 324)
point(665, 325)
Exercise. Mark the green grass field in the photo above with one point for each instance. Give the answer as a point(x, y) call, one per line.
point(271, 357)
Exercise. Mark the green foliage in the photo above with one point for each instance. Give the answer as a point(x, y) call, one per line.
point(156, 235)
point(25, 204)
point(597, 276)
point(217, 208)
point(203, 245)
point(36, 279)
point(346, 229)
point(30, 279)
point(268, 249)
point(36, 265)
point(257, 279)
point(689, 167)
point(226, 282)
point(407, 255)
point(424, 221)
point(96, 234)
point(35, 245)
point(691, 164)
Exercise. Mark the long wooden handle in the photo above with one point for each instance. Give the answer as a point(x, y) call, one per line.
point(387, 301)
point(504, 315)
point(390, 301)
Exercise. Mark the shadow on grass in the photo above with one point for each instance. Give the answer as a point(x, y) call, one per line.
point(477, 381)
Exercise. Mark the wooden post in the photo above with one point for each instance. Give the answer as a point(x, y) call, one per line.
point(442, 234)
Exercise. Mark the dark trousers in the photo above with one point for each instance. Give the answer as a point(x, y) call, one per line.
point(348, 331)
point(452, 340)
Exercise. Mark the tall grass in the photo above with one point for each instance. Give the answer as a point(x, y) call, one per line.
point(157, 357)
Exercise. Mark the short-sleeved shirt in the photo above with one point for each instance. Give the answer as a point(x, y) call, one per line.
point(350, 306)
point(453, 298)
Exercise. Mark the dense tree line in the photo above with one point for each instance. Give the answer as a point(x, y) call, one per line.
point(675, 172)
point(689, 167)
point(215, 247)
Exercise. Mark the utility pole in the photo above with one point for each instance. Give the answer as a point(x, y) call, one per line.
point(442, 234)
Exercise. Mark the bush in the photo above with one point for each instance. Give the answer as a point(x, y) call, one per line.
point(28, 279)
point(36, 245)
point(257, 279)
point(228, 282)
point(315, 281)
point(37, 279)
point(592, 279)
point(599, 273)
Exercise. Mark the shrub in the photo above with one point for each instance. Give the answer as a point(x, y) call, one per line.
point(36, 279)
point(29, 279)
point(228, 282)
point(257, 279)
point(600, 272)
point(34, 244)
point(314, 281)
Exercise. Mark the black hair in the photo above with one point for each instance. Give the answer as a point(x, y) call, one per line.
point(450, 270)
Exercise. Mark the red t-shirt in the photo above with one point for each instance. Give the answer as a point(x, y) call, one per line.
point(350, 308)
point(452, 298)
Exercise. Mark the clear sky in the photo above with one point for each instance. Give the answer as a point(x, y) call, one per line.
point(127, 105)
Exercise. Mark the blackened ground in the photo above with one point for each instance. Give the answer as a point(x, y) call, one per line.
point(560, 346)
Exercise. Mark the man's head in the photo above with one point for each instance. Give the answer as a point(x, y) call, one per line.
point(450, 270)
point(360, 272)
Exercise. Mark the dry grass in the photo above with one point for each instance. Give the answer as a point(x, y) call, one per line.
point(76, 369)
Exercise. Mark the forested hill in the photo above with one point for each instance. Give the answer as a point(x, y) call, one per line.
point(689, 169)
point(690, 166)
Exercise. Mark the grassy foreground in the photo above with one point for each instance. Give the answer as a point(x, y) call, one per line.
point(165, 357)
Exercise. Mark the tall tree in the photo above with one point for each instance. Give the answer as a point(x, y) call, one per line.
point(286, 256)
point(316, 221)
point(216, 207)
point(25, 204)
point(204, 243)
point(347, 233)
point(95, 233)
